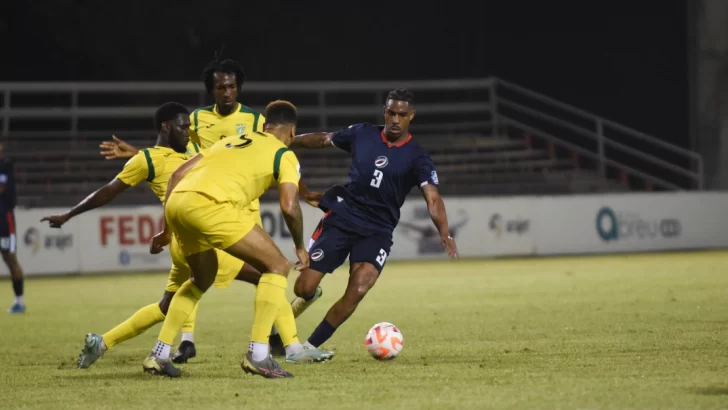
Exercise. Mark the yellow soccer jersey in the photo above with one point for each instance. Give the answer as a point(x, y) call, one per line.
point(240, 169)
point(154, 165)
point(207, 126)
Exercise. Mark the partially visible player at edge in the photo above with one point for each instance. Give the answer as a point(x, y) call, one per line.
point(361, 216)
point(8, 236)
point(223, 80)
point(203, 209)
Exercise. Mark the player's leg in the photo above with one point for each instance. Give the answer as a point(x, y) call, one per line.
point(248, 274)
point(96, 345)
point(8, 246)
point(367, 258)
point(181, 273)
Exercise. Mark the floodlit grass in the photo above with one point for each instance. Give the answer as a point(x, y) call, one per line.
point(641, 331)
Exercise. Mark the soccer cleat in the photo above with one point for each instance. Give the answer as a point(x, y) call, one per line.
point(268, 368)
point(276, 346)
point(299, 304)
point(185, 351)
point(160, 367)
point(16, 308)
point(91, 350)
point(310, 356)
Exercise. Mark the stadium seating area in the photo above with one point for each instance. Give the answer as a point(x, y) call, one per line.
point(59, 172)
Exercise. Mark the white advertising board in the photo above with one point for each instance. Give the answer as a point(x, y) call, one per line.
point(117, 239)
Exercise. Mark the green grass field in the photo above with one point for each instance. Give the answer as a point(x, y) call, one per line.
point(640, 331)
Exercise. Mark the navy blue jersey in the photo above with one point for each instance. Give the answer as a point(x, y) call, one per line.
point(7, 179)
point(381, 176)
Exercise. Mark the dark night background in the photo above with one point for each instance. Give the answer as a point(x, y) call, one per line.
point(624, 60)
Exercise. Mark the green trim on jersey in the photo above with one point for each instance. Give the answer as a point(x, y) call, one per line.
point(277, 162)
point(150, 165)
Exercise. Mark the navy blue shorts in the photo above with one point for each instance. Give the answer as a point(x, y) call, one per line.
point(330, 245)
point(7, 232)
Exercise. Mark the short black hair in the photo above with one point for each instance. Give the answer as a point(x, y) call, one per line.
point(218, 65)
point(401, 94)
point(281, 112)
point(167, 112)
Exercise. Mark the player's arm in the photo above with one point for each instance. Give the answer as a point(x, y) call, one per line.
point(312, 198)
point(343, 139)
point(117, 149)
point(426, 176)
point(288, 176)
point(436, 208)
point(313, 140)
point(98, 198)
point(5, 174)
point(135, 171)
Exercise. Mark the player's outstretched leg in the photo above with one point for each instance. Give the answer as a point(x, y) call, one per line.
point(96, 345)
point(186, 349)
point(363, 277)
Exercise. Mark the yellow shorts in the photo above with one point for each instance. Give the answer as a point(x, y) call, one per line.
point(201, 223)
point(228, 268)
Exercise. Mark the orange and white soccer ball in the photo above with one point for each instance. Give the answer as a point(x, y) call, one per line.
point(384, 341)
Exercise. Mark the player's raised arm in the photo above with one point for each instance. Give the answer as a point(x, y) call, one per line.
point(117, 149)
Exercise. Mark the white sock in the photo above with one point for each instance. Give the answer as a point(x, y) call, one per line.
point(274, 331)
point(259, 350)
point(161, 350)
point(308, 345)
point(294, 348)
point(19, 300)
point(188, 337)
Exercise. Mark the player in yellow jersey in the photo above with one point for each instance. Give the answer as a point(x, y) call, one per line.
point(155, 166)
point(205, 209)
point(223, 79)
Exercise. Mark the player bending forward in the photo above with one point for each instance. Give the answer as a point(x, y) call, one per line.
point(361, 216)
point(203, 208)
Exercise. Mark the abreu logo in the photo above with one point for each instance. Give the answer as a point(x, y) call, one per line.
point(613, 226)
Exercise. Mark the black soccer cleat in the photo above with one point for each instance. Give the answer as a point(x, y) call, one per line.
point(185, 351)
point(276, 346)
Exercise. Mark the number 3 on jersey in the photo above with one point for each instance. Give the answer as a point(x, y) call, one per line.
point(382, 257)
point(377, 180)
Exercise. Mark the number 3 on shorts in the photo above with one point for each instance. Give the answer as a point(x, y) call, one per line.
point(382, 257)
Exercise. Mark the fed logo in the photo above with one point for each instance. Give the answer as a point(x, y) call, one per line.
point(614, 226)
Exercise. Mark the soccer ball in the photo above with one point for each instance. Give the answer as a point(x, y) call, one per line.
point(384, 341)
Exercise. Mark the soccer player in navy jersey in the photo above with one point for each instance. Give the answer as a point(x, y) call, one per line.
point(8, 239)
point(361, 216)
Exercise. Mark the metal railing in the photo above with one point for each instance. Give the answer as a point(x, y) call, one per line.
point(614, 144)
point(489, 105)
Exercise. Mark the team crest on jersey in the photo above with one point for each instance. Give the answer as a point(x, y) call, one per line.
point(317, 255)
point(240, 128)
point(434, 178)
point(381, 162)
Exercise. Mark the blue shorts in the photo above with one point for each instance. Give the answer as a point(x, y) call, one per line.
point(330, 245)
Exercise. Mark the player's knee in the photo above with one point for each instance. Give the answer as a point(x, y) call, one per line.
point(281, 267)
point(304, 288)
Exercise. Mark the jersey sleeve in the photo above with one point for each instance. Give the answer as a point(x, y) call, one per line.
point(136, 170)
point(286, 167)
point(424, 171)
point(261, 122)
point(6, 172)
point(344, 138)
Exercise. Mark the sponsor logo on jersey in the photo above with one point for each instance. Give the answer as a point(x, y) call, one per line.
point(381, 162)
point(317, 255)
point(240, 128)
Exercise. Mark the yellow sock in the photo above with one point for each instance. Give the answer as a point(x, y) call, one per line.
point(286, 324)
point(189, 325)
point(183, 303)
point(140, 321)
point(269, 298)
